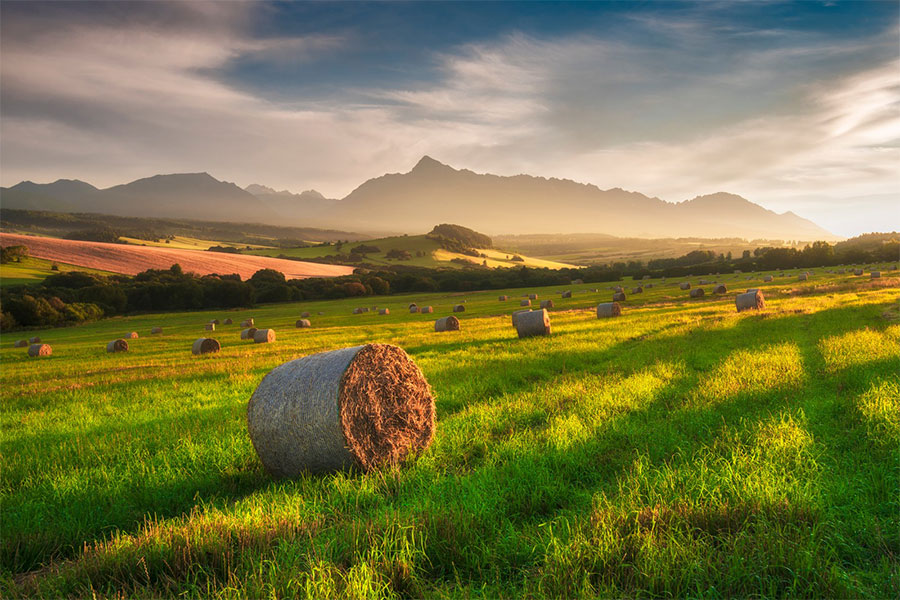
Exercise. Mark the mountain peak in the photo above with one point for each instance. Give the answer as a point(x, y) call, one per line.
point(427, 164)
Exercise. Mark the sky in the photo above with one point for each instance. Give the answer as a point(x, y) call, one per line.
point(793, 105)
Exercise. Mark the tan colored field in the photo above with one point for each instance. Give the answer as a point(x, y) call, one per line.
point(130, 260)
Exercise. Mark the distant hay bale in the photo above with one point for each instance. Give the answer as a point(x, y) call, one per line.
point(618, 288)
point(803, 277)
point(132, 336)
point(637, 290)
point(302, 324)
point(737, 271)
point(413, 309)
point(305, 314)
point(532, 296)
point(857, 271)
point(533, 323)
point(577, 282)
point(685, 285)
point(40, 350)
point(646, 277)
point(34, 340)
point(362, 408)
point(720, 289)
point(227, 322)
point(247, 323)
point(525, 303)
point(606, 310)
point(21, 344)
point(450, 323)
point(247, 334)
point(546, 303)
point(566, 294)
point(210, 326)
point(767, 279)
point(697, 293)
point(648, 286)
point(752, 300)
point(413, 305)
point(875, 275)
point(841, 271)
point(214, 321)
point(117, 346)
point(459, 308)
point(156, 330)
point(426, 310)
point(365, 309)
point(357, 311)
point(264, 336)
point(619, 297)
point(384, 311)
point(516, 314)
point(705, 282)
point(503, 298)
point(205, 346)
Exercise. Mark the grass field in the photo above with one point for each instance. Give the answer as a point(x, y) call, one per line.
point(34, 270)
point(434, 255)
point(682, 449)
point(185, 243)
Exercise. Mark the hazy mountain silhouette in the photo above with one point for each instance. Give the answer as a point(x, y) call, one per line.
point(430, 193)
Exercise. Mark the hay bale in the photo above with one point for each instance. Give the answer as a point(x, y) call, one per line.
point(697, 293)
point(305, 314)
point(247, 323)
point(753, 299)
point(803, 277)
point(413, 309)
point(637, 290)
point(875, 275)
point(21, 344)
point(767, 279)
point(131, 336)
point(413, 305)
point(384, 311)
point(618, 289)
point(606, 310)
point(857, 271)
point(210, 327)
point(450, 323)
point(532, 296)
point(685, 285)
point(619, 297)
point(117, 346)
point(247, 334)
point(156, 330)
point(40, 350)
point(525, 303)
point(546, 303)
point(426, 310)
point(577, 282)
point(264, 336)
point(214, 321)
point(205, 346)
point(566, 294)
point(227, 322)
point(648, 286)
point(355, 408)
point(533, 323)
point(302, 324)
point(705, 282)
point(357, 311)
point(34, 340)
point(459, 308)
point(503, 298)
point(516, 314)
point(646, 277)
point(720, 289)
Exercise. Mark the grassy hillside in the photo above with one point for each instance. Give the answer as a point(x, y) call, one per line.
point(682, 449)
point(186, 243)
point(34, 270)
point(433, 254)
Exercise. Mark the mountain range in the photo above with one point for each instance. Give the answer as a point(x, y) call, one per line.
point(430, 193)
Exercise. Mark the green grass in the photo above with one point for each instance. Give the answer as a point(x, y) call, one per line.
point(34, 270)
point(682, 449)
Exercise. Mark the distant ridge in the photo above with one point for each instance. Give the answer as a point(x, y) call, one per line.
point(431, 192)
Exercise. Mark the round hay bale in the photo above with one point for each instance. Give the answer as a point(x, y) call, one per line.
point(205, 346)
point(720, 289)
point(426, 310)
point(803, 277)
point(303, 323)
point(637, 290)
point(577, 282)
point(40, 350)
point(117, 346)
point(21, 344)
point(304, 315)
point(131, 336)
point(247, 334)
point(210, 327)
point(875, 275)
point(450, 323)
point(546, 303)
point(857, 271)
point(525, 303)
point(606, 310)
point(413, 309)
point(264, 336)
point(685, 285)
point(532, 296)
point(34, 340)
point(413, 305)
point(619, 297)
point(156, 330)
point(533, 323)
point(753, 299)
point(355, 408)
point(618, 289)
point(697, 293)
point(648, 286)
point(503, 298)
point(767, 279)
point(567, 294)
point(247, 323)
point(357, 311)
point(516, 314)
point(227, 322)
point(214, 321)
point(459, 308)
point(384, 311)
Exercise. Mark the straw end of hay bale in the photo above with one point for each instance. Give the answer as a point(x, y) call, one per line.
point(205, 346)
point(302, 324)
point(459, 308)
point(40, 350)
point(117, 346)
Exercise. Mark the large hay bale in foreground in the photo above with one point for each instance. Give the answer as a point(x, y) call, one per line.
point(362, 407)
point(302, 324)
point(697, 293)
point(751, 300)
point(450, 323)
point(566, 294)
point(210, 327)
point(264, 336)
point(34, 340)
point(131, 336)
point(384, 311)
point(875, 275)
point(533, 323)
point(247, 323)
point(459, 308)
point(619, 297)
point(525, 303)
point(426, 310)
point(40, 350)
point(21, 344)
point(205, 346)
point(546, 303)
point(117, 346)
point(767, 279)
point(606, 310)
point(516, 314)
point(247, 334)
point(720, 289)
point(156, 330)
point(685, 285)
